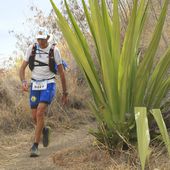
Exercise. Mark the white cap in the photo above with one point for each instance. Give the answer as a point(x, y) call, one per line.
point(42, 33)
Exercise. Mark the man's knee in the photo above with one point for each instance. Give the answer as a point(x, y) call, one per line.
point(34, 112)
point(35, 119)
point(40, 111)
point(40, 115)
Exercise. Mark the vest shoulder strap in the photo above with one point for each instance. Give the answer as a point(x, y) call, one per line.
point(34, 48)
point(51, 52)
point(32, 56)
point(52, 64)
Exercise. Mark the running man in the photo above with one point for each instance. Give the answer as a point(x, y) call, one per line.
point(42, 59)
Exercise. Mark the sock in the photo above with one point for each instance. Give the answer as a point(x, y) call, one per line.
point(43, 129)
point(36, 145)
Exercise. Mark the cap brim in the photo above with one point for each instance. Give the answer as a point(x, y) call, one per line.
point(41, 36)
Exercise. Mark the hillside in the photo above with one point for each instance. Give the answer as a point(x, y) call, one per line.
point(72, 146)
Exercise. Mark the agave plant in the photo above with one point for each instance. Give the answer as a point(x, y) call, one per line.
point(128, 91)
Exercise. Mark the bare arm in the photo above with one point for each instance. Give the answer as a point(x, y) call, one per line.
point(22, 76)
point(62, 77)
point(22, 70)
point(63, 83)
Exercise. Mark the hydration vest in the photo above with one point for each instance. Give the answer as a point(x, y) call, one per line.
point(52, 64)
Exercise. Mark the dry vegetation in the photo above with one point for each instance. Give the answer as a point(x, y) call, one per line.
point(15, 111)
point(15, 116)
point(14, 108)
point(84, 153)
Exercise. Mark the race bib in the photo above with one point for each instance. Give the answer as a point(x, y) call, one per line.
point(39, 85)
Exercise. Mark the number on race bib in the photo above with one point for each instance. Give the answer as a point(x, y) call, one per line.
point(39, 85)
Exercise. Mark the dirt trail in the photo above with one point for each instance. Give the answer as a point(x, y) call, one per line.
point(14, 150)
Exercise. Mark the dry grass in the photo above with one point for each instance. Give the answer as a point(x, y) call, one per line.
point(14, 109)
point(85, 156)
point(92, 157)
point(15, 116)
point(15, 112)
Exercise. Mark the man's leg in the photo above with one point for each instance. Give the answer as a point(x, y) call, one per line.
point(34, 112)
point(40, 121)
point(44, 97)
point(34, 148)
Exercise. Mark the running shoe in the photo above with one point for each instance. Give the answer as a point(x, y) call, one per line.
point(34, 151)
point(46, 136)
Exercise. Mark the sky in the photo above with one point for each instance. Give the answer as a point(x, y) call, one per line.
point(13, 13)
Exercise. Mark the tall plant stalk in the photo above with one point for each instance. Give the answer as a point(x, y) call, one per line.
point(125, 87)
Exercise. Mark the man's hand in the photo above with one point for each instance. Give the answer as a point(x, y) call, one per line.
point(24, 85)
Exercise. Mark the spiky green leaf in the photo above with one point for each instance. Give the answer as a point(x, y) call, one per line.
point(143, 135)
point(162, 127)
